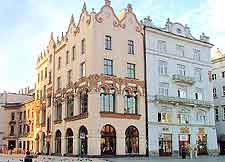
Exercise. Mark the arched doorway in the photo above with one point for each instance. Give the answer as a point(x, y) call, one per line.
point(83, 136)
point(58, 136)
point(37, 143)
point(132, 140)
point(108, 140)
point(69, 141)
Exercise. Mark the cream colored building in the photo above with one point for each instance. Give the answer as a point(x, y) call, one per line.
point(92, 100)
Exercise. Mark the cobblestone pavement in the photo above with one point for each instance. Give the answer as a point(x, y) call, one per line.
point(136, 159)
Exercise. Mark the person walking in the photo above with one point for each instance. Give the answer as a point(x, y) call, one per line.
point(190, 151)
point(196, 152)
point(183, 152)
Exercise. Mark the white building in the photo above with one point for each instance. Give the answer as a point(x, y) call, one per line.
point(180, 110)
point(218, 83)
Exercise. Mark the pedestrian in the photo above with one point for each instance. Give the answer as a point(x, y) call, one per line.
point(196, 152)
point(183, 152)
point(28, 158)
point(190, 151)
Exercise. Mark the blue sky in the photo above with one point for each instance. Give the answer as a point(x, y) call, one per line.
point(25, 28)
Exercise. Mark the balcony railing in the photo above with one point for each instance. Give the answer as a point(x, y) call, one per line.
point(183, 79)
point(182, 101)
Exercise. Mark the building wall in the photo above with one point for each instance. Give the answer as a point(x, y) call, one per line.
point(153, 56)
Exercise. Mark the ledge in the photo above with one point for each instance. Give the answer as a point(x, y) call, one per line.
point(77, 117)
point(57, 121)
point(120, 115)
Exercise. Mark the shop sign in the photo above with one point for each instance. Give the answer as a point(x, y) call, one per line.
point(183, 137)
point(201, 131)
point(184, 130)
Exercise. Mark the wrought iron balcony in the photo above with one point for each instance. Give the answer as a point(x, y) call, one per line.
point(183, 79)
point(181, 101)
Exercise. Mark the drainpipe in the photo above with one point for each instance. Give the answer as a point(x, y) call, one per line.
point(146, 94)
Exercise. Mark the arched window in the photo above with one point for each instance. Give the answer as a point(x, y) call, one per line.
point(69, 139)
point(108, 140)
point(132, 140)
point(83, 136)
point(107, 100)
point(70, 106)
point(37, 142)
point(83, 102)
point(43, 141)
point(58, 136)
point(130, 102)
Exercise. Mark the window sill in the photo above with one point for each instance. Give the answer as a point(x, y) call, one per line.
point(77, 117)
point(58, 121)
point(108, 49)
point(120, 115)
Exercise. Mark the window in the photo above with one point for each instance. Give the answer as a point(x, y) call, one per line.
point(38, 77)
point(213, 76)
point(198, 74)
point(73, 52)
point(183, 118)
point(223, 112)
point(163, 67)
point(216, 113)
point(130, 71)
point(41, 75)
point(83, 102)
point(49, 77)
point(163, 89)
point(59, 111)
point(223, 90)
point(181, 70)
point(130, 103)
point(11, 130)
point(180, 50)
point(40, 94)
point(201, 117)
point(108, 42)
point(59, 63)
point(130, 47)
point(164, 117)
point(161, 46)
point(50, 58)
point(83, 46)
point(69, 77)
point(182, 92)
point(21, 115)
point(199, 94)
point(70, 106)
point(82, 69)
point(58, 82)
point(49, 101)
point(108, 67)
point(20, 129)
point(223, 74)
point(67, 57)
point(107, 100)
point(24, 115)
point(214, 93)
point(43, 118)
point(196, 54)
point(46, 73)
point(13, 116)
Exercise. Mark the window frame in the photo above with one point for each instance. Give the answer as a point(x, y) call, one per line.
point(131, 47)
point(108, 42)
point(108, 67)
point(131, 71)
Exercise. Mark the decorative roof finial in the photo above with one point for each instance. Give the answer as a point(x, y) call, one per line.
point(107, 2)
point(52, 37)
point(129, 8)
point(84, 6)
point(62, 36)
point(72, 19)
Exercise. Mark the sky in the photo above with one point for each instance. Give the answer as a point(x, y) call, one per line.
point(25, 28)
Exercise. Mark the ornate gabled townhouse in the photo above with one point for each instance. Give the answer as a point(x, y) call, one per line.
point(90, 86)
point(180, 110)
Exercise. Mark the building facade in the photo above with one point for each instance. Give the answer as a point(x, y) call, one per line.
point(180, 110)
point(218, 83)
point(92, 98)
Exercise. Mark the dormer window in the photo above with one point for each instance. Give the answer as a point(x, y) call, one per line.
point(179, 30)
point(108, 42)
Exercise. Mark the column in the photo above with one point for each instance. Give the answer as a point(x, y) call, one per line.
point(119, 104)
point(120, 142)
point(153, 140)
point(63, 145)
point(212, 141)
point(175, 142)
point(193, 137)
point(76, 105)
point(94, 142)
point(75, 145)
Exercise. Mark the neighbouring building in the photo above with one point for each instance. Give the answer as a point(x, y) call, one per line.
point(218, 82)
point(15, 129)
point(180, 109)
point(90, 86)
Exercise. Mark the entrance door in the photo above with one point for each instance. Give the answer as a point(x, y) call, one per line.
point(165, 145)
point(108, 140)
point(184, 140)
point(202, 144)
point(83, 133)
